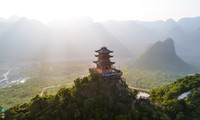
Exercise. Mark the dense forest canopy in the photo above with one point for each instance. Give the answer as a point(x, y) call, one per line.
point(91, 97)
point(94, 97)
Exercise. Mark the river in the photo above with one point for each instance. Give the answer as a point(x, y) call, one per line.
point(5, 76)
point(11, 77)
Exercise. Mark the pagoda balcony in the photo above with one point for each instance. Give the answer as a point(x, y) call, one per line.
point(113, 72)
point(103, 56)
point(104, 63)
point(109, 73)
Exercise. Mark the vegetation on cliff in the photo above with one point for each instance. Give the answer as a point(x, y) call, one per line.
point(91, 97)
point(187, 108)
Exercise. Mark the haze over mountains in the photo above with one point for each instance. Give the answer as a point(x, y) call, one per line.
point(161, 56)
point(78, 37)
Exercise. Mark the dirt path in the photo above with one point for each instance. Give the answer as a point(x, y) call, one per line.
point(141, 89)
point(45, 88)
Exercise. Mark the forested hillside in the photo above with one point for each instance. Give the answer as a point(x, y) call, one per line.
point(91, 97)
point(98, 98)
point(180, 100)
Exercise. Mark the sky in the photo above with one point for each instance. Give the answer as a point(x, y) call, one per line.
point(100, 10)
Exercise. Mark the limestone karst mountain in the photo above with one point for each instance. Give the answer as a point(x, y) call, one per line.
point(162, 56)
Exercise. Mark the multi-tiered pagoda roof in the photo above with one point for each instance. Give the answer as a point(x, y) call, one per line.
point(103, 50)
point(104, 64)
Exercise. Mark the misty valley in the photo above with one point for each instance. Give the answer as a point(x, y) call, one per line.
point(48, 66)
point(24, 81)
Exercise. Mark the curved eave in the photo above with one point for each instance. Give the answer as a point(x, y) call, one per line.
point(104, 56)
point(103, 50)
point(104, 63)
point(99, 51)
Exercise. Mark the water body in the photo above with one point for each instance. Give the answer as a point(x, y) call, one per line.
point(5, 76)
point(11, 73)
point(20, 80)
point(12, 77)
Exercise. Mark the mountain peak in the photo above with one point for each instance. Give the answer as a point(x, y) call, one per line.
point(165, 47)
point(169, 40)
point(171, 21)
point(162, 56)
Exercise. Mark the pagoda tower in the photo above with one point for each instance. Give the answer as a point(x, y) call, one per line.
point(104, 64)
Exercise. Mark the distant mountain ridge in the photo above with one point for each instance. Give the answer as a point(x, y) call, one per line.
point(22, 38)
point(162, 56)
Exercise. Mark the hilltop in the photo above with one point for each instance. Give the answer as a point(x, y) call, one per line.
point(97, 98)
point(91, 97)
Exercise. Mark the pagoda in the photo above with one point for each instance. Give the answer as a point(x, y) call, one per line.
point(103, 65)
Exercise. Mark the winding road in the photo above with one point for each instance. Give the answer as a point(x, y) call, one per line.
point(45, 88)
point(141, 89)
